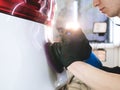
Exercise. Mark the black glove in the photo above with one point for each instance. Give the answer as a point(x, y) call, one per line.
point(53, 57)
point(74, 47)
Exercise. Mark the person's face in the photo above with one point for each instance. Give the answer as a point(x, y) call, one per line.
point(109, 7)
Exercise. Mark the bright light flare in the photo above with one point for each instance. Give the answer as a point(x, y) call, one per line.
point(48, 34)
point(72, 26)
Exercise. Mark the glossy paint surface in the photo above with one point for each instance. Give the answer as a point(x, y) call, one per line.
point(23, 63)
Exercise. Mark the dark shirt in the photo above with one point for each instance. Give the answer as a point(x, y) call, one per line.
point(112, 70)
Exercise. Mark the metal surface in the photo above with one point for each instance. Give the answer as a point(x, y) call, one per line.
point(23, 63)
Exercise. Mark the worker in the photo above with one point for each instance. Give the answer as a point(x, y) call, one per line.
point(75, 50)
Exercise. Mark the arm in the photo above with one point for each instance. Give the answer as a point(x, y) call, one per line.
point(95, 78)
point(73, 52)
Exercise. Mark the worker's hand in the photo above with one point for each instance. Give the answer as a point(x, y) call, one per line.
point(53, 57)
point(74, 47)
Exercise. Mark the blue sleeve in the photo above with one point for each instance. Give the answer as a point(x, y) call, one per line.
point(94, 61)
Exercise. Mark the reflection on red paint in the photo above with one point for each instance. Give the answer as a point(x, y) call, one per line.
point(36, 10)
